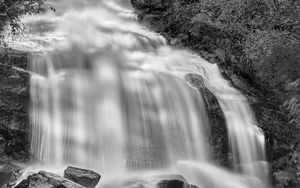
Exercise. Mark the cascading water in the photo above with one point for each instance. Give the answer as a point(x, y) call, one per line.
point(109, 95)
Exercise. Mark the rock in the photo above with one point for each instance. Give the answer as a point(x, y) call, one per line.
point(2, 144)
point(135, 183)
point(8, 174)
point(83, 177)
point(47, 180)
point(172, 184)
point(171, 181)
point(195, 80)
point(16, 143)
point(170, 177)
point(5, 177)
point(218, 139)
point(14, 105)
point(152, 4)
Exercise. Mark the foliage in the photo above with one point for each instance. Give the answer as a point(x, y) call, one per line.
point(287, 173)
point(293, 102)
point(12, 10)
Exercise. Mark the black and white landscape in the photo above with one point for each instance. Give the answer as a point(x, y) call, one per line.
point(150, 93)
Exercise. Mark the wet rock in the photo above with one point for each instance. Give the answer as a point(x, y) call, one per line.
point(172, 184)
point(8, 174)
point(195, 80)
point(218, 138)
point(83, 177)
point(47, 180)
point(172, 181)
point(170, 177)
point(135, 183)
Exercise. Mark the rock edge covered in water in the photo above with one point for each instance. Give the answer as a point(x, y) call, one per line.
point(81, 178)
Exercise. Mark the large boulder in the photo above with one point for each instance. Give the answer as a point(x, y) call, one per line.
point(86, 178)
point(47, 180)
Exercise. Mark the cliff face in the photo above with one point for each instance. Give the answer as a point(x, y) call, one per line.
point(257, 52)
point(153, 4)
point(14, 105)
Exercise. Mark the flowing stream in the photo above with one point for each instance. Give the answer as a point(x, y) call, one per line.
point(109, 95)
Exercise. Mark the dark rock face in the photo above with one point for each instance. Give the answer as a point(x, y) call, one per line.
point(171, 184)
point(47, 180)
point(8, 174)
point(152, 4)
point(14, 105)
point(5, 177)
point(218, 139)
point(86, 178)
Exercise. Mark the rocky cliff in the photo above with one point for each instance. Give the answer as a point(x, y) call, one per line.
point(257, 52)
point(14, 105)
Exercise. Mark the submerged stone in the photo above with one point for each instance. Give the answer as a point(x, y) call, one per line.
point(83, 177)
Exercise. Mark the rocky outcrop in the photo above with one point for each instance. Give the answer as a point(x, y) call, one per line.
point(44, 179)
point(4, 178)
point(47, 180)
point(152, 4)
point(8, 174)
point(218, 139)
point(14, 105)
point(86, 178)
point(73, 178)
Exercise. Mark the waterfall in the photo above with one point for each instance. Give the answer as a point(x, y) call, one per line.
point(110, 95)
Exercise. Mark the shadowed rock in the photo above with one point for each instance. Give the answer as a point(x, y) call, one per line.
point(83, 177)
point(5, 177)
point(174, 184)
point(171, 184)
point(8, 173)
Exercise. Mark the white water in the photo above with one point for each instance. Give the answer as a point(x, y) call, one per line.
point(109, 95)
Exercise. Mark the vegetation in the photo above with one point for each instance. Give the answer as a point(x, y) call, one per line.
point(12, 10)
point(258, 41)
